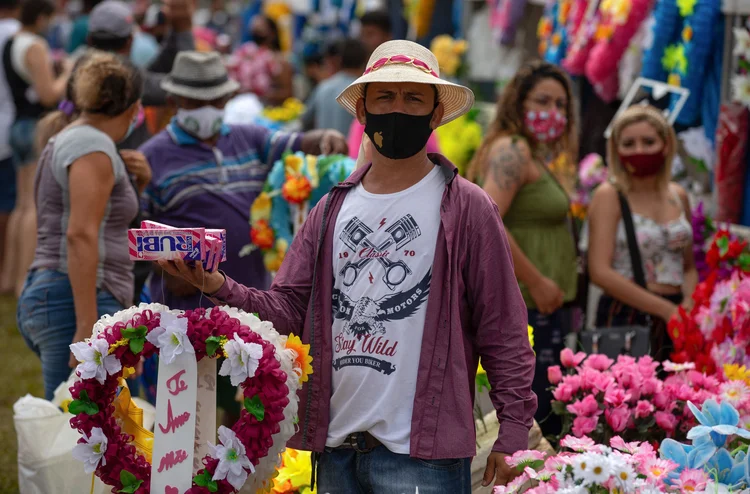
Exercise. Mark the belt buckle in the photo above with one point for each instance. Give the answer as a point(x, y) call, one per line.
point(352, 441)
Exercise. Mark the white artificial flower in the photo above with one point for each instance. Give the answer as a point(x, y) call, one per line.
point(581, 466)
point(171, 337)
point(742, 42)
point(242, 360)
point(92, 450)
point(94, 358)
point(598, 470)
point(232, 458)
point(741, 89)
point(624, 476)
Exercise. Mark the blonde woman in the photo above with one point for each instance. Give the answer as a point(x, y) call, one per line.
point(640, 153)
point(535, 123)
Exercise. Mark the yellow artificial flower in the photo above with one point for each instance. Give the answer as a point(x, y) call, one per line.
point(674, 80)
point(277, 10)
point(273, 258)
point(295, 471)
point(674, 59)
point(311, 164)
point(687, 7)
point(735, 372)
point(261, 208)
point(293, 164)
point(448, 53)
point(303, 359)
point(687, 33)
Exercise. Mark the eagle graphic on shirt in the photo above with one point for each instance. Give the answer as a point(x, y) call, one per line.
point(366, 316)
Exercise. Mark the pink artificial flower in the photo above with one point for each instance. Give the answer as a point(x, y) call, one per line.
point(592, 379)
point(579, 444)
point(524, 458)
point(571, 360)
point(657, 469)
point(554, 374)
point(615, 396)
point(630, 378)
point(584, 425)
point(574, 381)
point(598, 362)
point(691, 481)
point(563, 392)
point(512, 486)
point(558, 462)
point(647, 366)
point(651, 387)
point(706, 320)
point(618, 418)
point(625, 360)
point(619, 444)
point(663, 399)
point(588, 407)
point(666, 421)
point(643, 409)
point(734, 392)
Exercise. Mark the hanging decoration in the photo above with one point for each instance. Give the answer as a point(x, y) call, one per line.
point(295, 184)
point(741, 80)
point(583, 37)
point(620, 20)
point(552, 31)
point(504, 18)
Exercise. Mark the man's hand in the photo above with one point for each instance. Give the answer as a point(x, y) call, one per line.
point(208, 282)
point(325, 141)
point(179, 14)
point(137, 165)
point(498, 470)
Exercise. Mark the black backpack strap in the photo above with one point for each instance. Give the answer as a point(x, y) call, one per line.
point(635, 252)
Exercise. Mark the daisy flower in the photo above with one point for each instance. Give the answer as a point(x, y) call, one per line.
point(233, 460)
point(170, 337)
point(597, 469)
point(91, 450)
point(742, 42)
point(734, 392)
point(741, 89)
point(624, 476)
point(94, 358)
point(242, 360)
point(657, 469)
point(579, 444)
point(691, 481)
point(523, 459)
point(674, 367)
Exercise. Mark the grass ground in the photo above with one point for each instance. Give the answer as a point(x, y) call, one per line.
point(21, 373)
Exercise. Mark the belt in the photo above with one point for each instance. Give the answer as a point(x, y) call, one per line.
point(361, 442)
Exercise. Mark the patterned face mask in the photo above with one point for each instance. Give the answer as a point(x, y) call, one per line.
point(546, 126)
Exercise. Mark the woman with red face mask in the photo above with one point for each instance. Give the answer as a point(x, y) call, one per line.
point(640, 153)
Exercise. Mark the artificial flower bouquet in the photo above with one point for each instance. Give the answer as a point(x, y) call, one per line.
point(591, 173)
point(600, 398)
point(267, 367)
point(716, 461)
point(714, 330)
point(460, 139)
point(449, 53)
point(281, 117)
point(295, 184)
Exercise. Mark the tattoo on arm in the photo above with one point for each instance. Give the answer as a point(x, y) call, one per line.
point(507, 166)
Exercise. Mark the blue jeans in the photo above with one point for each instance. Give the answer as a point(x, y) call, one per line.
point(22, 135)
point(345, 471)
point(47, 321)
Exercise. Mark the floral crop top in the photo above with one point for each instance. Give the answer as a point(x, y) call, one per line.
point(662, 247)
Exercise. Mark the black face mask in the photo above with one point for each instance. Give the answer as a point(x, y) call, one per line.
point(397, 135)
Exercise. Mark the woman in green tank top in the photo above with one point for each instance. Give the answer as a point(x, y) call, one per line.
point(534, 123)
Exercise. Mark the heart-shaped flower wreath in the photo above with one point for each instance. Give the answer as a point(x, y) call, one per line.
point(268, 366)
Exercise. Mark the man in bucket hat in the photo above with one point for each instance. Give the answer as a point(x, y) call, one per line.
point(411, 282)
point(207, 173)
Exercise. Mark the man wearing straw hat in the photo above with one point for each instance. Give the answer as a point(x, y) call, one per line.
point(411, 281)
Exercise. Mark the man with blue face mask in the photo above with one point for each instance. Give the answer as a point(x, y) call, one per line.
point(207, 173)
point(400, 279)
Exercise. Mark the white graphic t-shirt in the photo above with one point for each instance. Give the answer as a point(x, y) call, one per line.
point(384, 247)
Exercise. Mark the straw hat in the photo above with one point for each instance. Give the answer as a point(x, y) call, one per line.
point(199, 76)
point(405, 61)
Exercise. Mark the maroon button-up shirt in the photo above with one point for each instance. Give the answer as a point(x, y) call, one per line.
point(474, 309)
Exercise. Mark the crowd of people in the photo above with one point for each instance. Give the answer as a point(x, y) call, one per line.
point(95, 140)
